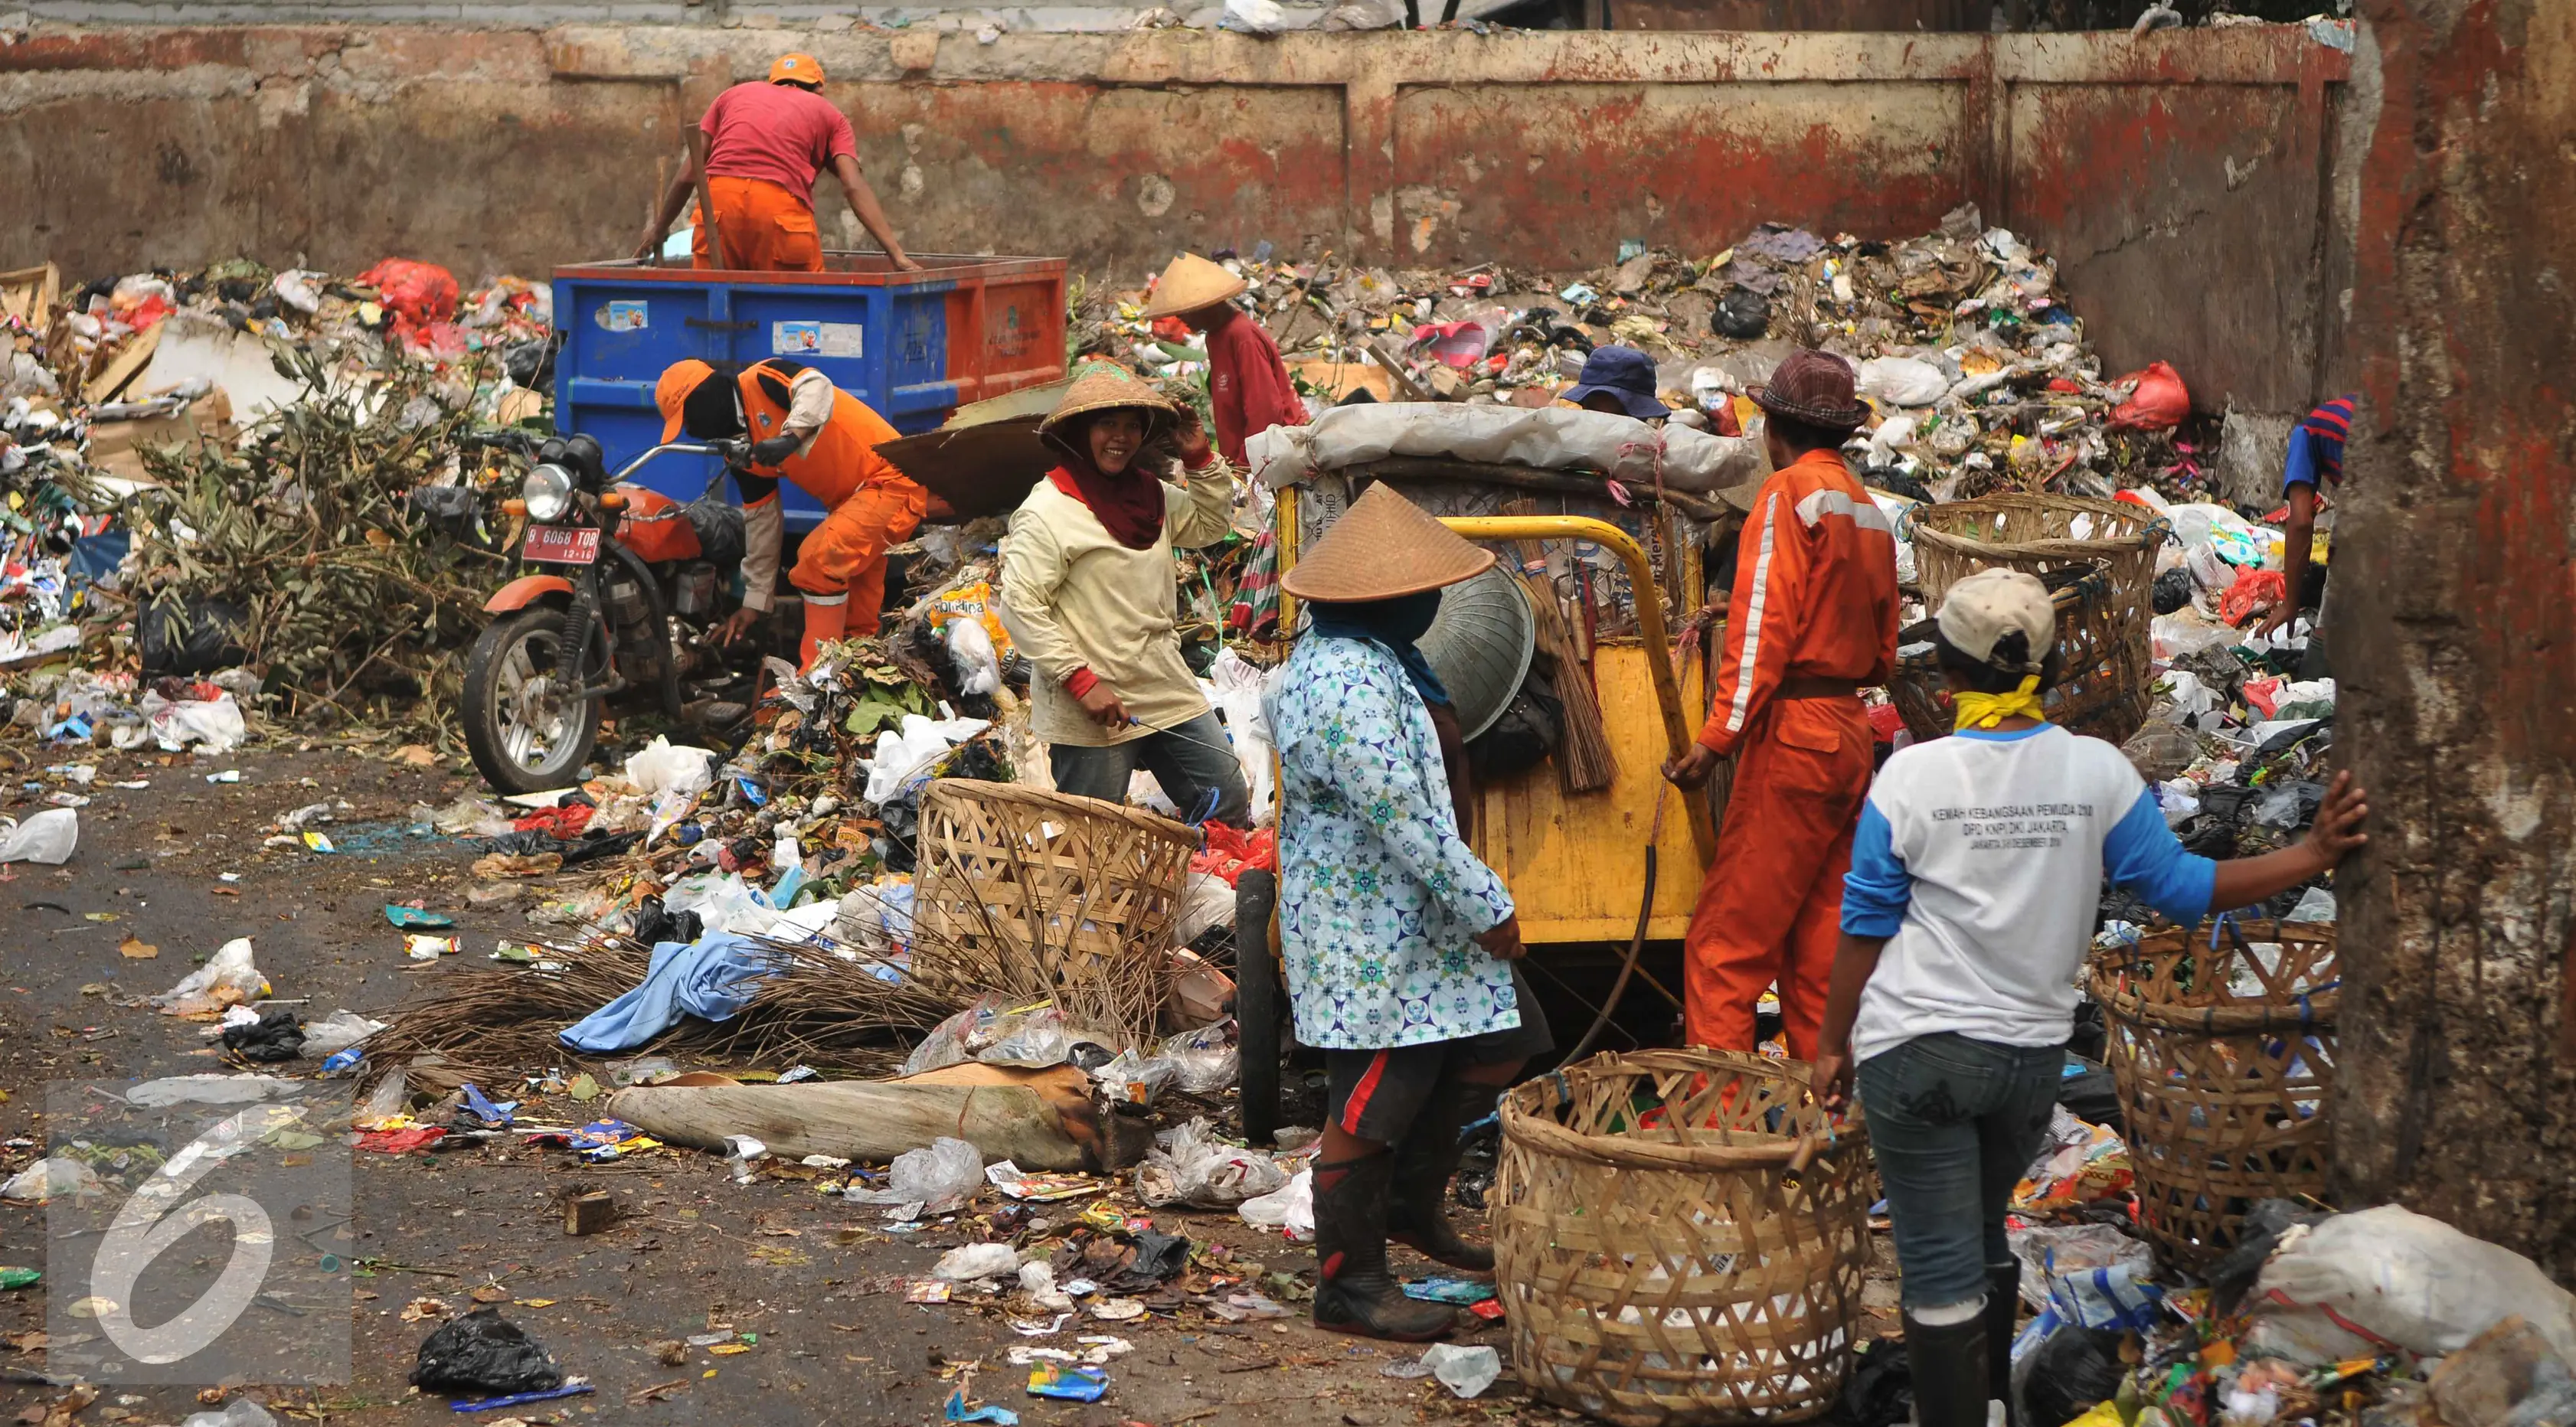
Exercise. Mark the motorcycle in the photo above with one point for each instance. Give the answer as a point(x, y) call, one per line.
point(622, 589)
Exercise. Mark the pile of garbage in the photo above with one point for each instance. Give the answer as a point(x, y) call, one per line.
point(1978, 373)
point(240, 467)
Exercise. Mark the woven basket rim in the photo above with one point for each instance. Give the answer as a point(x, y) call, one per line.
point(1068, 803)
point(2145, 522)
point(1629, 1152)
point(2313, 1011)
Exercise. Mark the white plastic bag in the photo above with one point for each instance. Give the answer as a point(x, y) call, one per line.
point(1550, 439)
point(1207, 900)
point(1291, 1209)
point(227, 978)
point(336, 1032)
point(1903, 381)
point(48, 1177)
point(1205, 1060)
point(723, 902)
point(216, 724)
point(2048, 1251)
point(2403, 1279)
point(240, 1412)
point(47, 837)
point(1464, 1371)
point(970, 653)
point(1197, 1169)
point(666, 767)
point(973, 1263)
point(1253, 17)
point(938, 1178)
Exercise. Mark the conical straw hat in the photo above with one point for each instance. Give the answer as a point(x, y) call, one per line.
point(1190, 283)
point(1103, 385)
point(1382, 547)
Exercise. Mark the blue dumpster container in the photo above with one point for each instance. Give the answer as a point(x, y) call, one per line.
point(913, 346)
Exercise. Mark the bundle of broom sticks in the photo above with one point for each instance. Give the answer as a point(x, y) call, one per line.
point(1584, 763)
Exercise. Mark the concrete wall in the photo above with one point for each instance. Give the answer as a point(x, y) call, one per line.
point(2182, 179)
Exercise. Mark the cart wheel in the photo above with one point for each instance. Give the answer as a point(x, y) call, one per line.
point(1256, 1003)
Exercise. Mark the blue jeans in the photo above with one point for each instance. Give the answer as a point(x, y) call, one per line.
point(1953, 1122)
point(1194, 762)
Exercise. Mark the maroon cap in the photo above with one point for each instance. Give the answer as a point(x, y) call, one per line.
point(1813, 387)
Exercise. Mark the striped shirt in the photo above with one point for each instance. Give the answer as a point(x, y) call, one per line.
point(2316, 446)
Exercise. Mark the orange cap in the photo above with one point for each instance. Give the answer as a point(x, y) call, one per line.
point(798, 68)
point(672, 392)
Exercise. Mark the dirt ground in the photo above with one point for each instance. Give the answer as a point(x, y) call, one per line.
point(819, 1281)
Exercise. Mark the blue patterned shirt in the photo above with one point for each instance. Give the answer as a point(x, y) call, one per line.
point(1380, 899)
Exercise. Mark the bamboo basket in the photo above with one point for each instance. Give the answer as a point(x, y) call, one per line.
point(2087, 632)
point(2222, 1046)
point(1043, 895)
point(1660, 1261)
point(2106, 690)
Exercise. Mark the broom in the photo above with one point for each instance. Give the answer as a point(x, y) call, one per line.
point(1584, 764)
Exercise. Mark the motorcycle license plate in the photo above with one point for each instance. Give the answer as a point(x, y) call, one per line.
point(562, 544)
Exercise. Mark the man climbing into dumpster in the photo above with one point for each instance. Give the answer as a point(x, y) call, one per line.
point(805, 430)
point(1248, 387)
point(754, 157)
point(1812, 622)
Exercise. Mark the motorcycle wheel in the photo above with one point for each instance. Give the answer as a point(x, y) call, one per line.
point(524, 736)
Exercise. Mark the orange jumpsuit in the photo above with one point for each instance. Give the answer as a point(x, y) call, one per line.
point(764, 227)
point(872, 505)
point(1812, 620)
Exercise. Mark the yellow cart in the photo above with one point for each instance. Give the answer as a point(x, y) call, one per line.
point(1578, 864)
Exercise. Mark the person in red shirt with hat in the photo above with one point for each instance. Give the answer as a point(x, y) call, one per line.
point(805, 430)
point(1248, 387)
point(1812, 622)
point(760, 146)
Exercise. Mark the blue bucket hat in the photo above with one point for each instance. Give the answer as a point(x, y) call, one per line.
point(1623, 372)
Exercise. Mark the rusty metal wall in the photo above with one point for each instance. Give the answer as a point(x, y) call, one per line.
point(2180, 178)
point(1899, 15)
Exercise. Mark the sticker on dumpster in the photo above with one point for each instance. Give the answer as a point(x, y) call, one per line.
point(624, 317)
point(815, 339)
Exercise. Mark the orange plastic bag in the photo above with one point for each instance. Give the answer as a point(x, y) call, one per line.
point(416, 293)
point(2159, 404)
point(2254, 592)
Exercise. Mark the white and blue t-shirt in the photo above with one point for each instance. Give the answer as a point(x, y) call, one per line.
point(1980, 857)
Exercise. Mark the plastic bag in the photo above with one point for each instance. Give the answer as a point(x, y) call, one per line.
point(2254, 592)
point(666, 767)
point(216, 724)
point(47, 837)
point(973, 1263)
point(1206, 1060)
point(417, 293)
point(1549, 439)
point(41, 1181)
point(1207, 900)
point(1197, 1169)
point(2402, 1278)
point(2160, 403)
point(1132, 1079)
point(2049, 1250)
point(2069, 1371)
point(1466, 1372)
point(337, 1032)
point(971, 654)
point(228, 978)
point(1290, 1209)
point(1032, 1036)
point(1253, 17)
point(973, 601)
point(1902, 381)
point(483, 1352)
point(274, 1034)
point(939, 1178)
point(240, 1412)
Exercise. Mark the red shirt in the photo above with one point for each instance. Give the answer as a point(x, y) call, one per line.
point(1248, 385)
point(776, 132)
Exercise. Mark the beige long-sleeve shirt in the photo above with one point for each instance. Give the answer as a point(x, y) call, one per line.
point(1073, 598)
point(764, 525)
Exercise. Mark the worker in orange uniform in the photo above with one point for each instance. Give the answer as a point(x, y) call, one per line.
point(805, 430)
point(1811, 622)
point(759, 147)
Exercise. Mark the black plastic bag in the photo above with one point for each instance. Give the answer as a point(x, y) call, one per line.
point(1742, 314)
point(191, 636)
point(1159, 1259)
point(276, 1035)
point(2069, 1372)
point(2090, 1096)
point(1879, 1390)
point(484, 1353)
point(2174, 589)
point(655, 924)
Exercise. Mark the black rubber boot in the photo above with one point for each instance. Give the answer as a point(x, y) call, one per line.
point(2003, 1316)
point(1356, 1294)
point(1417, 1213)
point(1949, 1365)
